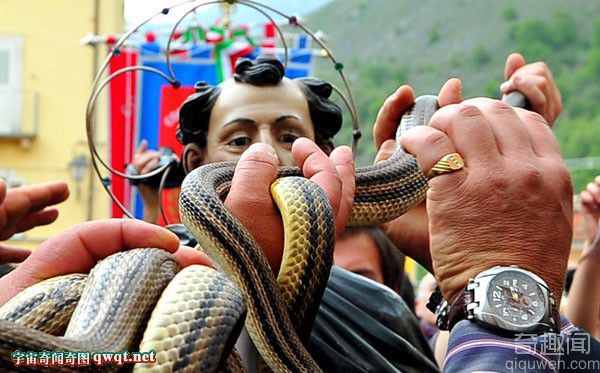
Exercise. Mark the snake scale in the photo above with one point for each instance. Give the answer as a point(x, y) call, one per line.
point(192, 318)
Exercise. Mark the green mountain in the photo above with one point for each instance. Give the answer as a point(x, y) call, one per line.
point(385, 43)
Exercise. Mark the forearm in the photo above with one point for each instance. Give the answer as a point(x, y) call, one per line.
point(441, 347)
point(584, 297)
point(150, 197)
point(151, 214)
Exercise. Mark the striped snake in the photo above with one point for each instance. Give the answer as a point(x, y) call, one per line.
point(192, 318)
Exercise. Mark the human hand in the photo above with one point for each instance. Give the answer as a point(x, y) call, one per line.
point(78, 249)
point(590, 209)
point(536, 82)
point(250, 200)
point(510, 204)
point(410, 231)
point(145, 160)
point(24, 208)
point(27, 207)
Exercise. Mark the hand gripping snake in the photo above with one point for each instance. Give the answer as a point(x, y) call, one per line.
point(192, 318)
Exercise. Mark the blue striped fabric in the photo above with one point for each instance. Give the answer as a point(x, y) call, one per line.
point(472, 348)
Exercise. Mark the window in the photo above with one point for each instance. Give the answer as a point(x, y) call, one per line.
point(11, 81)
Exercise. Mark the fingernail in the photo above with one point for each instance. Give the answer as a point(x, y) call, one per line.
point(504, 86)
point(261, 147)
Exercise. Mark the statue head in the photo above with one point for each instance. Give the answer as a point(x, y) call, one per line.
point(258, 104)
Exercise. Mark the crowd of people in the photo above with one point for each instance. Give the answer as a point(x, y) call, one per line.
point(508, 205)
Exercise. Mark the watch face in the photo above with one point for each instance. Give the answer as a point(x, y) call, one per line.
point(516, 299)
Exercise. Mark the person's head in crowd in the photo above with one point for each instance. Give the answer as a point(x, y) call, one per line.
point(426, 288)
point(258, 104)
point(370, 253)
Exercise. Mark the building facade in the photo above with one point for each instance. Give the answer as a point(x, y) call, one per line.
point(46, 75)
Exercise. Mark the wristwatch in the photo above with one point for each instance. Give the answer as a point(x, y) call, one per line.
point(502, 299)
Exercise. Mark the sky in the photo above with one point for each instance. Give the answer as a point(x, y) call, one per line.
point(138, 10)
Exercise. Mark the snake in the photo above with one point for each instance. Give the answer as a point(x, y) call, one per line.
point(191, 317)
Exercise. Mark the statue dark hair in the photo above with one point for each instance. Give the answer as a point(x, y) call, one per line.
point(265, 71)
point(194, 114)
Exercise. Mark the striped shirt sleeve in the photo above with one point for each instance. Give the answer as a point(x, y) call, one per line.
point(472, 348)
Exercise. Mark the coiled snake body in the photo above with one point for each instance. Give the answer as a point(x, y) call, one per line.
point(195, 321)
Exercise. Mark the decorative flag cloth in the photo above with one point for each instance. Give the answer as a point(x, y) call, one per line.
point(155, 104)
point(228, 51)
point(122, 90)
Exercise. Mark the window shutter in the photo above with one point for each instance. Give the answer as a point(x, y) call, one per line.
point(11, 82)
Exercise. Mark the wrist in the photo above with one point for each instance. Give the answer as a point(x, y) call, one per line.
point(149, 195)
point(453, 286)
point(533, 305)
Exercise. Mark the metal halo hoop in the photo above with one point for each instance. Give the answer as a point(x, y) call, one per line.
point(99, 85)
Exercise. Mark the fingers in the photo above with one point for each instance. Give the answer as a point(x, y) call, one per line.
point(341, 157)
point(187, 256)
point(450, 93)
point(390, 114)
point(36, 197)
point(513, 62)
point(589, 201)
point(531, 87)
point(316, 166)
point(428, 145)
point(536, 82)
point(12, 254)
point(540, 134)
point(146, 162)
point(78, 249)
point(142, 147)
point(19, 210)
point(593, 190)
point(463, 123)
point(385, 151)
point(396, 105)
point(510, 135)
point(32, 220)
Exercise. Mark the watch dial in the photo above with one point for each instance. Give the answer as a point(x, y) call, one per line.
point(516, 298)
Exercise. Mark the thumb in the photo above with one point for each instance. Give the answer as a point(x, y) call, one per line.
point(249, 199)
point(254, 173)
point(142, 147)
point(513, 62)
point(450, 93)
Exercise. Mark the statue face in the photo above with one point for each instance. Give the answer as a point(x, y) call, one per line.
point(244, 114)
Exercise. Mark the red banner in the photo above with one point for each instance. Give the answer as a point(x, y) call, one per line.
point(122, 125)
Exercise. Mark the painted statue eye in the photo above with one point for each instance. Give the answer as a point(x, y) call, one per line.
point(239, 141)
point(288, 138)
